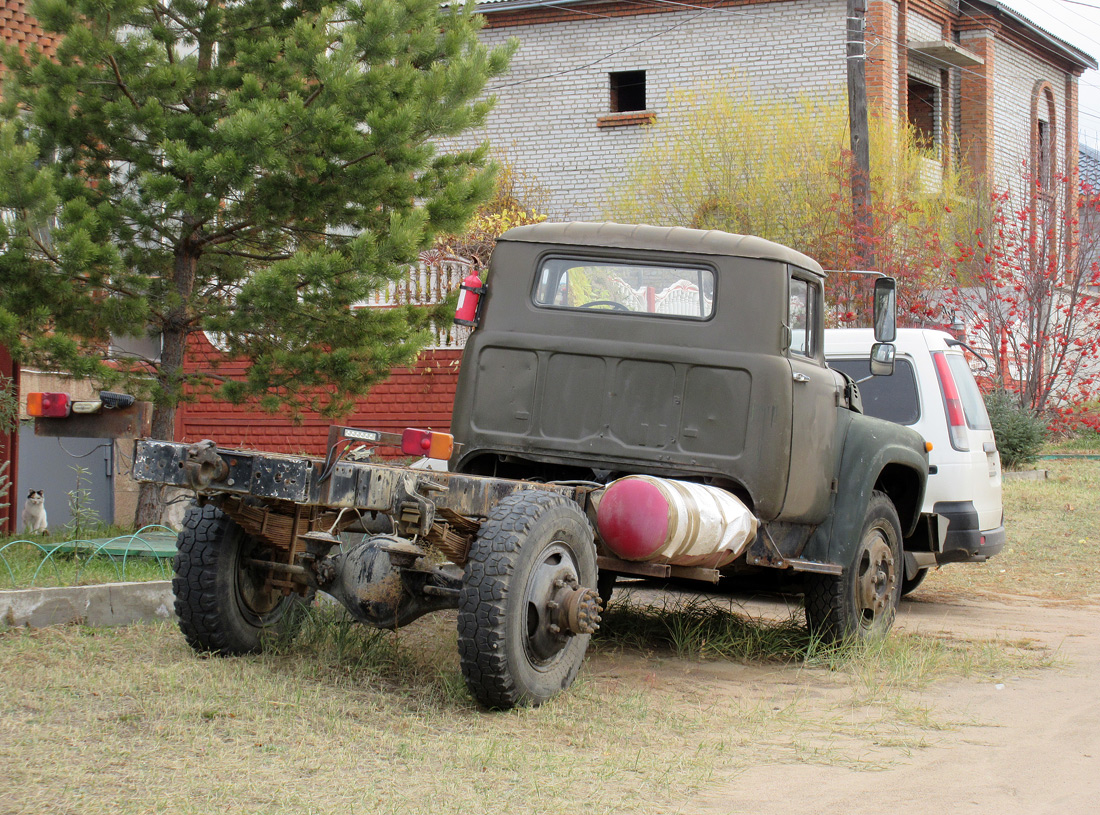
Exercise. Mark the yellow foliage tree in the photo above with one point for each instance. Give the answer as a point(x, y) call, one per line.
point(780, 169)
point(517, 200)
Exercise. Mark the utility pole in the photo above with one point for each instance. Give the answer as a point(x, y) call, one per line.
point(857, 125)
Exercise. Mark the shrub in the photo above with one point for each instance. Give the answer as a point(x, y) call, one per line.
point(1019, 432)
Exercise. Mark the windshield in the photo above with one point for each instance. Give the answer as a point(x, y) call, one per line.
point(664, 291)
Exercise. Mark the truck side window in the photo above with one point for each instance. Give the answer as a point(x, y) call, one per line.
point(802, 317)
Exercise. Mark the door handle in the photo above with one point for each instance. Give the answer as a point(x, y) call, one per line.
point(801, 378)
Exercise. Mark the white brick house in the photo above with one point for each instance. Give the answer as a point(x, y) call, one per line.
point(985, 84)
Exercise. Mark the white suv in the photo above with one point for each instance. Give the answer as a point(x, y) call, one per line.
point(932, 390)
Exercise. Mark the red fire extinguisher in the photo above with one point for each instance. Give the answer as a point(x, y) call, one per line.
point(469, 300)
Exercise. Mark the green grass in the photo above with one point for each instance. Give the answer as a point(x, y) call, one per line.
point(1052, 546)
point(676, 695)
point(1084, 441)
point(34, 561)
point(348, 719)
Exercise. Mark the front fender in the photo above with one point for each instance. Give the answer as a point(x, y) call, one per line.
point(878, 455)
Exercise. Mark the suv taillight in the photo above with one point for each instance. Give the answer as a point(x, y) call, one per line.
point(956, 417)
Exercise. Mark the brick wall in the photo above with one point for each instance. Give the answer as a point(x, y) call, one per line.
point(882, 58)
point(550, 103)
point(978, 115)
point(1016, 74)
point(546, 119)
point(421, 396)
point(21, 29)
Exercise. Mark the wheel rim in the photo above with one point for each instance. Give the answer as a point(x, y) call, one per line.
point(876, 578)
point(257, 602)
point(555, 572)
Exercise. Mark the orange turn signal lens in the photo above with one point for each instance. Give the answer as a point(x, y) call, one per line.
point(928, 447)
point(427, 443)
point(48, 405)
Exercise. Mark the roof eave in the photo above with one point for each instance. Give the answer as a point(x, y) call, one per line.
point(1056, 44)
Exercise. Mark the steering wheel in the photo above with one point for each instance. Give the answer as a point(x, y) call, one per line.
point(613, 304)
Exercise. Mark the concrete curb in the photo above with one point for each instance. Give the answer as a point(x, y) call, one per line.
point(103, 605)
point(1025, 475)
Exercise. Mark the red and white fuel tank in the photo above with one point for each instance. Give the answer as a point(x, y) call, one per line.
point(641, 517)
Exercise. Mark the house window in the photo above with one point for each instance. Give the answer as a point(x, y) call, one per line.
point(1044, 135)
point(627, 91)
point(922, 113)
point(1043, 151)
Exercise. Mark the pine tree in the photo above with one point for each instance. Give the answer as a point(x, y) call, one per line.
point(247, 167)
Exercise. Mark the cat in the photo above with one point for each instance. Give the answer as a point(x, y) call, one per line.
point(34, 513)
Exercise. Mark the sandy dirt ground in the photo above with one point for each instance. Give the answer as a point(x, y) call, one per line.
point(1028, 744)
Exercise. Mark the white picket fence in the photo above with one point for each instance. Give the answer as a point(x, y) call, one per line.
point(430, 282)
point(682, 297)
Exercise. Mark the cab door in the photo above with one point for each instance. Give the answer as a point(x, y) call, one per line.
point(814, 400)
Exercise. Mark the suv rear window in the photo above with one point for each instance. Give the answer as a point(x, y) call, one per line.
point(893, 398)
point(662, 291)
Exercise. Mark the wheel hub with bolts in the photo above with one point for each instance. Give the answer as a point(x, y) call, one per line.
point(877, 578)
point(557, 606)
point(574, 609)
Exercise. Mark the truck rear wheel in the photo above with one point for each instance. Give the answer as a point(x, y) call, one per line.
point(528, 603)
point(222, 604)
point(862, 602)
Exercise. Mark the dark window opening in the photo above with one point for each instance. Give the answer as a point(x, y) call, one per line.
point(922, 112)
point(1043, 150)
point(627, 91)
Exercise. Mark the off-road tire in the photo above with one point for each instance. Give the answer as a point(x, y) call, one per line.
point(909, 584)
point(836, 608)
point(523, 533)
point(220, 608)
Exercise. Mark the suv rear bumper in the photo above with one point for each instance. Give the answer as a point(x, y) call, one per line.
point(966, 542)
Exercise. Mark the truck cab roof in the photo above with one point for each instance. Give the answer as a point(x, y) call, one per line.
point(660, 238)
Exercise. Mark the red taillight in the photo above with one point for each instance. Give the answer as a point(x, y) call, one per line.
point(427, 443)
point(48, 405)
point(956, 418)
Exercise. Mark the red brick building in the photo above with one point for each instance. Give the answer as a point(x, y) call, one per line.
point(420, 396)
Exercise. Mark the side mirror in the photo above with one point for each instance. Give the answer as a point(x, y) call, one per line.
point(886, 306)
point(882, 358)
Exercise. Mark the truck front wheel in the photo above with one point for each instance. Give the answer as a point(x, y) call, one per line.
point(528, 604)
point(224, 606)
point(861, 603)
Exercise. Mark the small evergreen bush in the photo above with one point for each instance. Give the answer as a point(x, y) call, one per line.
point(1020, 433)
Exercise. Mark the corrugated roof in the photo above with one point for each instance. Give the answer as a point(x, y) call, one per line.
point(1089, 166)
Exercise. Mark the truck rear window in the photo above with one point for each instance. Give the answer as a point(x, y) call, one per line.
point(662, 291)
point(893, 398)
